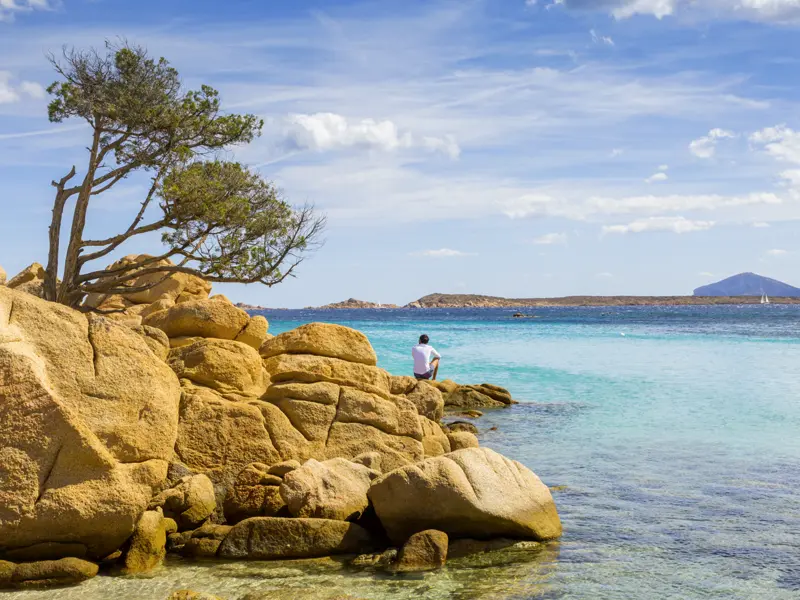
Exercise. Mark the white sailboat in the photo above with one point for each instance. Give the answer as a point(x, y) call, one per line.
point(764, 298)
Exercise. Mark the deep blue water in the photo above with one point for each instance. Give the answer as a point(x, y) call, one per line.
point(677, 443)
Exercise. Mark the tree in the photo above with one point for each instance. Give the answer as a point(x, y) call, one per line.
point(219, 220)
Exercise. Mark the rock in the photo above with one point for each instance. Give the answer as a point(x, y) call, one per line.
point(428, 400)
point(322, 339)
point(255, 493)
point(205, 541)
point(231, 368)
point(148, 544)
point(220, 437)
point(353, 439)
point(88, 420)
point(172, 286)
point(474, 492)
point(468, 547)
point(155, 339)
point(471, 414)
point(457, 426)
point(423, 551)
point(375, 560)
point(45, 551)
point(203, 318)
point(30, 280)
point(462, 439)
point(445, 386)
point(333, 489)
point(434, 440)
point(284, 467)
point(190, 502)
point(495, 392)
point(468, 397)
point(306, 368)
point(371, 460)
point(191, 595)
point(46, 573)
point(267, 538)
point(3, 276)
point(176, 541)
point(158, 305)
point(255, 332)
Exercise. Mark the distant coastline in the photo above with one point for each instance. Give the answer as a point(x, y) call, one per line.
point(481, 301)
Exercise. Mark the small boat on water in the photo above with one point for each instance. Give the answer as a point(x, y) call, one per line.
point(764, 298)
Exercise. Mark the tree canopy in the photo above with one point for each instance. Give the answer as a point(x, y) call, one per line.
point(218, 219)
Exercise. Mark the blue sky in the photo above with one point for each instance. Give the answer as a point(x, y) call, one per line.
point(506, 147)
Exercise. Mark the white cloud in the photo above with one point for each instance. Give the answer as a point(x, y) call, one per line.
point(10, 92)
point(663, 167)
point(777, 252)
point(329, 131)
point(705, 274)
point(442, 253)
point(600, 39)
point(31, 88)
point(755, 10)
point(656, 177)
point(761, 225)
point(603, 275)
point(616, 152)
point(705, 146)
point(672, 224)
point(780, 142)
point(551, 238)
point(8, 8)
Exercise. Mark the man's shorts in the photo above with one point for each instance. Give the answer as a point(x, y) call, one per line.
point(427, 375)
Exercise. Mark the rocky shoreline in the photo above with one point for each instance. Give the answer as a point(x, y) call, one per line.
point(175, 423)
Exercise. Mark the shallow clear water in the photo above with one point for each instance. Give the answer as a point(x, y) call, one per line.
point(678, 443)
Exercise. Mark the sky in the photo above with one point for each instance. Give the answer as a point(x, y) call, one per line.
point(520, 148)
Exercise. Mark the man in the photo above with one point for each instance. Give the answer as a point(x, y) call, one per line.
point(424, 367)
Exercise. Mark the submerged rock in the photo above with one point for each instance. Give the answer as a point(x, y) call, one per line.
point(474, 492)
point(266, 538)
point(190, 595)
point(148, 543)
point(423, 551)
point(46, 573)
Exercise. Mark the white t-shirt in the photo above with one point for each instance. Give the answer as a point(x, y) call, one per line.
point(422, 354)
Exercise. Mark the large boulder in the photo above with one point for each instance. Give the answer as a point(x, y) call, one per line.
point(474, 492)
point(255, 332)
point(2, 275)
point(231, 368)
point(333, 489)
point(322, 339)
point(88, 419)
point(267, 538)
point(202, 318)
point(307, 368)
point(427, 398)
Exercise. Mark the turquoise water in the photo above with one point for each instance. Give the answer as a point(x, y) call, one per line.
point(677, 443)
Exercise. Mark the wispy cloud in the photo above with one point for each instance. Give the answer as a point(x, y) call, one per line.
point(777, 252)
point(671, 224)
point(600, 39)
point(9, 8)
point(551, 239)
point(706, 146)
point(15, 92)
point(656, 177)
point(442, 253)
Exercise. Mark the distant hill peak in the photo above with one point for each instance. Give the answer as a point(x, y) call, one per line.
point(748, 284)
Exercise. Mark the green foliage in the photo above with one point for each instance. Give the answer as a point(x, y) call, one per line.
point(232, 223)
point(137, 105)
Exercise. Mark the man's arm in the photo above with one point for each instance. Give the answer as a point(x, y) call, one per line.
point(434, 353)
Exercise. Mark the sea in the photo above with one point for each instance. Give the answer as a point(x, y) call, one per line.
point(670, 436)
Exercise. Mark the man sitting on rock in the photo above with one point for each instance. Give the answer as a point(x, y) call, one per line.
point(424, 367)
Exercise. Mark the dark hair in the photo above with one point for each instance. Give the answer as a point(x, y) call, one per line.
point(424, 339)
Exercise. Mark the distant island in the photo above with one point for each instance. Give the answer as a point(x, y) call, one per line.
point(748, 284)
point(352, 303)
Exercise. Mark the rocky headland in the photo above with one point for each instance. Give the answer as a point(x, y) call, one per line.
point(171, 421)
point(353, 303)
point(478, 301)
